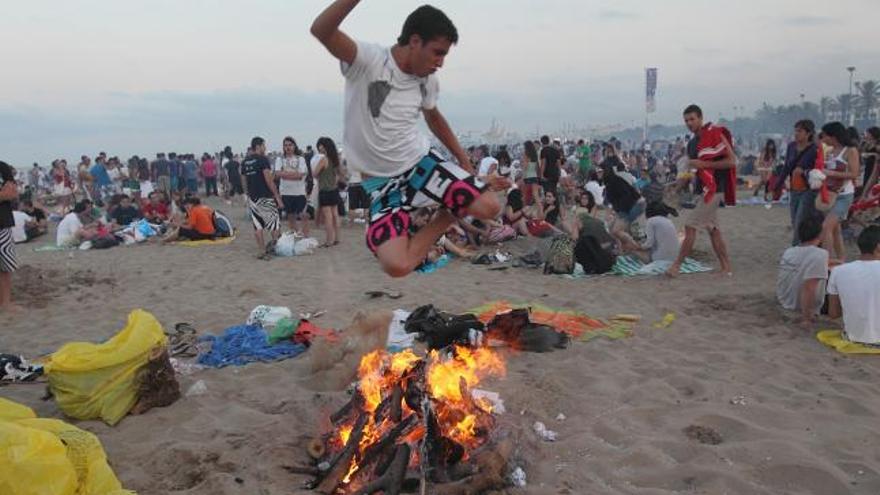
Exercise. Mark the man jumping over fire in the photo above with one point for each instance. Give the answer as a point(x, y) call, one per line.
point(386, 91)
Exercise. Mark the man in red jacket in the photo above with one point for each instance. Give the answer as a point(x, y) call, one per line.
point(711, 154)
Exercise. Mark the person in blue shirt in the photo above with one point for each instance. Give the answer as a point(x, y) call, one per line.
point(174, 169)
point(101, 179)
point(191, 174)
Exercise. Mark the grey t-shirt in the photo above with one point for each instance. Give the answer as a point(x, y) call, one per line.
point(662, 239)
point(799, 264)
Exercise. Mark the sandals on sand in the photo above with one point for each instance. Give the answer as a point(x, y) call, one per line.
point(182, 341)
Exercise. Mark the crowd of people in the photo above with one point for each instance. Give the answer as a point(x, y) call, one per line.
point(597, 199)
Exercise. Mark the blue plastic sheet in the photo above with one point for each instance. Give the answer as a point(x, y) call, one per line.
point(245, 344)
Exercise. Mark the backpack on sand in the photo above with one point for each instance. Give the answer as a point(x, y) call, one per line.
point(560, 257)
point(589, 253)
point(222, 225)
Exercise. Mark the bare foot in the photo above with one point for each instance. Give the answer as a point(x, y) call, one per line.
point(673, 270)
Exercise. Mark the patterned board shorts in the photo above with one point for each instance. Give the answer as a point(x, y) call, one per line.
point(433, 181)
point(8, 259)
point(264, 214)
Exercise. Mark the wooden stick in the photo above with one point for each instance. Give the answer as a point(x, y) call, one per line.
point(390, 483)
point(340, 465)
point(353, 404)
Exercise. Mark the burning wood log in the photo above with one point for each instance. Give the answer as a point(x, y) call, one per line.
point(491, 466)
point(391, 482)
point(352, 407)
point(340, 465)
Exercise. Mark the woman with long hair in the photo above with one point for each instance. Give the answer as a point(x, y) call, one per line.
point(531, 175)
point(766, 163)
point(841, 171)
point(62, 185)
point(800, 157)
point(327, 172)
point(291, 168)
point(870, 155)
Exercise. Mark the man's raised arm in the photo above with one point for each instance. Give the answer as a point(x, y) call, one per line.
point(326, 29)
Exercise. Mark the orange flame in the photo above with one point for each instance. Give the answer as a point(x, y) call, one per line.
point(459, 417)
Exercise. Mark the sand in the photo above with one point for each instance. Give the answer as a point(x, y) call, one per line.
point(643, 415)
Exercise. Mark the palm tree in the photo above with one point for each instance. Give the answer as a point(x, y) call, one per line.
point(827, 106)
point(844, 102)
point(867, 98)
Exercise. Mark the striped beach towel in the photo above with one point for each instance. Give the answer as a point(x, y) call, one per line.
point(630, 266)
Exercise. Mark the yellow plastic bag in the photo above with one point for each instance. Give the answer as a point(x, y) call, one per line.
point(50, 457)
point(92, 381)
point(10, 411)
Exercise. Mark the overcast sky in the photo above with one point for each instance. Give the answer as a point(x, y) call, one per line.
point(195, 75)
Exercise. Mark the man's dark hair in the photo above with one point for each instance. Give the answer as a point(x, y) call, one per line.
point(869, 239)
point(257, 141)
point(810, 227)
point(545, 140)
point(693, 109)
point(80, 207)
point(172, 156)
point(428, 23)
point(192, 200)
point(807, 126)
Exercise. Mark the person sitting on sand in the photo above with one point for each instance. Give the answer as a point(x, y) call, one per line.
point(803, 270)
point(854, 291)
point(198, 226)
point(125, 213)
point(589, 225)
point(38, 213)
point(514, 212)
point(76, 227)
point(661, 246)
point(25, 227)
point(155, 211)
point(454, 241)
point(551, 209)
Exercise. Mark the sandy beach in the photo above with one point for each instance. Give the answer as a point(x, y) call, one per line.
point(793, 416)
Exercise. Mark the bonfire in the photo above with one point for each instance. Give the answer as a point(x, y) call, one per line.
point(411, 423)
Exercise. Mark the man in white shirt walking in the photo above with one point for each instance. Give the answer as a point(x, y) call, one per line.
point(387, 91)
point(854, 291)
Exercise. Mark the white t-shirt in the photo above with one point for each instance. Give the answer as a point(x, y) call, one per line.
point(290, 187)
point(662, 239)
point(858, 286)
point(597, 190)
point(68, 228)
point(486, 164)
point(383, 106)
point(19, 233)
point(799, 264)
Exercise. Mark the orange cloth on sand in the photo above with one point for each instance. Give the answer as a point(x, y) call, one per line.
point(571, 322)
